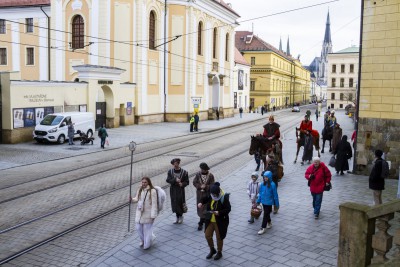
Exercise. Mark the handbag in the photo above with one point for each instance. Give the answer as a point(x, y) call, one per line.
point(328, 187)
point(184, 207)
point(332, 161)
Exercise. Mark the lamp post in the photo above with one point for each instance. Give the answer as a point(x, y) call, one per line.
point(132, 147)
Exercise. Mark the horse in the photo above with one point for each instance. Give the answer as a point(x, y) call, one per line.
point(327, 135)
point(300, 141)
point(262, 145)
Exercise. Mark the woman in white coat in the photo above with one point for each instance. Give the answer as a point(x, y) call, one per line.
point(146, 212)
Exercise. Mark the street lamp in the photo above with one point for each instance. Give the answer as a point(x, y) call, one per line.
point(132, 147)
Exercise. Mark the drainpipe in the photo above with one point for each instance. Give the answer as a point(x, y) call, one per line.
point(356, 116)
point(165, 61)
point(48, 43)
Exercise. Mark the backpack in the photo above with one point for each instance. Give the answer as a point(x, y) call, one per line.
point(385, 169)
point(161, 196)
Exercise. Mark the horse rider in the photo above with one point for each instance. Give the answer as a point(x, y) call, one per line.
point(332, 119)
point(272, 133)
point(306, 125)
point(327, 117)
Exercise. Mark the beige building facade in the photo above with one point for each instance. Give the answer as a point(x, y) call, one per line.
point(342, 78)
point(379, 102)
point(241, 82)
point(128, 35)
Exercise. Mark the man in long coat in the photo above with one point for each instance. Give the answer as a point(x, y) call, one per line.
point(179, 179)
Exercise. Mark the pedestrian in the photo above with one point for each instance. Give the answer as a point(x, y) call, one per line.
point(274, 108)
point(273, 167)
point(240, 112)
point(71, 133)
point(146, 212)
point(267, 196)
point(202, 182)
point(250, 108)
point(308, 113)
point(318, 175)
point(262, 110)
point(196, 122)
point(217, 114)
point(253, 188)
point(336, 136)
point(343, 153)
point(316, 114)
point(377, 177)
point(178, 178)
point(191, 121)
point(102, 135)
point(217, 218)
point(308, 147)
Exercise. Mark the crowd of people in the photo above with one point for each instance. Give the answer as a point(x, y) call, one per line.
point(213, 204)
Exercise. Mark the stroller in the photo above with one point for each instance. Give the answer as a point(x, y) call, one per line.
point(84, 138)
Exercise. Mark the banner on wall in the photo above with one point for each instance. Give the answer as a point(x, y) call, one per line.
point(39, 112)
point(29, 117)
point(240, 79)
point(129, 108)
point(18, 118)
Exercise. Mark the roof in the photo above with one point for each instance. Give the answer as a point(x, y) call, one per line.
point(351, 49)
point(227, 6)
point(239, 58)
point(18, 3)
point(247, 41)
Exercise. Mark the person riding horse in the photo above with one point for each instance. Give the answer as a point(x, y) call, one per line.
point(305, 126)
point(272, 133)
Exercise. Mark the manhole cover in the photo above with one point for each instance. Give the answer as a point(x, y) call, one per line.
point(75, 148)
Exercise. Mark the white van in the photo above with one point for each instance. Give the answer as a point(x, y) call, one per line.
point(54, 127)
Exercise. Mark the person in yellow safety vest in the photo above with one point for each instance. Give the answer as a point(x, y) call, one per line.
point(191, 121)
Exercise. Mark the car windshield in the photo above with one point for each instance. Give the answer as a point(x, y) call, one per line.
point(51, 120)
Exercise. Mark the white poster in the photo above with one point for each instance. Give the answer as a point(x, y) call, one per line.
point(18, 118)
point(39, 115)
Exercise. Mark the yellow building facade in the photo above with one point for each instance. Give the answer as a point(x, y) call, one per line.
point(177, 59)
point(379, 96)
point(276, 79)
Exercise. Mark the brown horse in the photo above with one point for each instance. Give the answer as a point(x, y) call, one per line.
point(264, 147)
point(300, 141)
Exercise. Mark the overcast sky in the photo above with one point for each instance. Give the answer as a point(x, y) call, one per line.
point(305, 27)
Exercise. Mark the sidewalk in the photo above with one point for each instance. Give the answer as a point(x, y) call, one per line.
point(296, 238)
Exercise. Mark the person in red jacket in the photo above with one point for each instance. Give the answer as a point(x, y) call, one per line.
point(318, 176)
point(305, 125)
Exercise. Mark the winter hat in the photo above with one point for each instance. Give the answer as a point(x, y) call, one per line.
point(204, 166)
point(175, 160)
point(268, 174)
point(215, 189)
point(378, 153)
point(255, 174)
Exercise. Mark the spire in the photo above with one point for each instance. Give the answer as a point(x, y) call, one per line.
point(327, 38)
point(288, 48)
point(280, 44)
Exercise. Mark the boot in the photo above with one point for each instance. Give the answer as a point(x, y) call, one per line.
point(251, 220)
point(180, 220)
point(177, 220)
point(200, 227)
point(212, 252)
point(218, 256)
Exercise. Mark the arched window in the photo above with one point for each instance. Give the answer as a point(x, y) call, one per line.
point(78, 32)
point(215, 43)
point(152, 30)
point(227, 47)
point(199, 38)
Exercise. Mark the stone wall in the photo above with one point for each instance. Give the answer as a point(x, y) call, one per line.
point(375, 134)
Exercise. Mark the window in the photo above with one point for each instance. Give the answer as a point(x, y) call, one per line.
point(341, 82)
point(333, 82)
point(2, 26)
point(340, 105)
point(334, 68)
point(253, 61)
point(351, 82)
point(350, 97)
point(3, 56)
point(199, 38)
point(332, 96)
point(341, 96)
point(252, 103)
point(215, 43)
point(30, 56)
point(227, 47)
point(252, 85)
point(29, 24)
point(351, 68)
point(342, 68)
point(152, 30)
point(78, 32)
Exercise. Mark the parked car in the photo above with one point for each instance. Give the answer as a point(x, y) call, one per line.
point(296, 109)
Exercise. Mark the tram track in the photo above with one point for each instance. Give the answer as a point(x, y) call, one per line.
point(193, 162)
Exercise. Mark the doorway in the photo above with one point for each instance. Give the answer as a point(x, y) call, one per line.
point(100, 114)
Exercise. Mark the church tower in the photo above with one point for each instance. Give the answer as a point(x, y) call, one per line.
point(326, 49)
